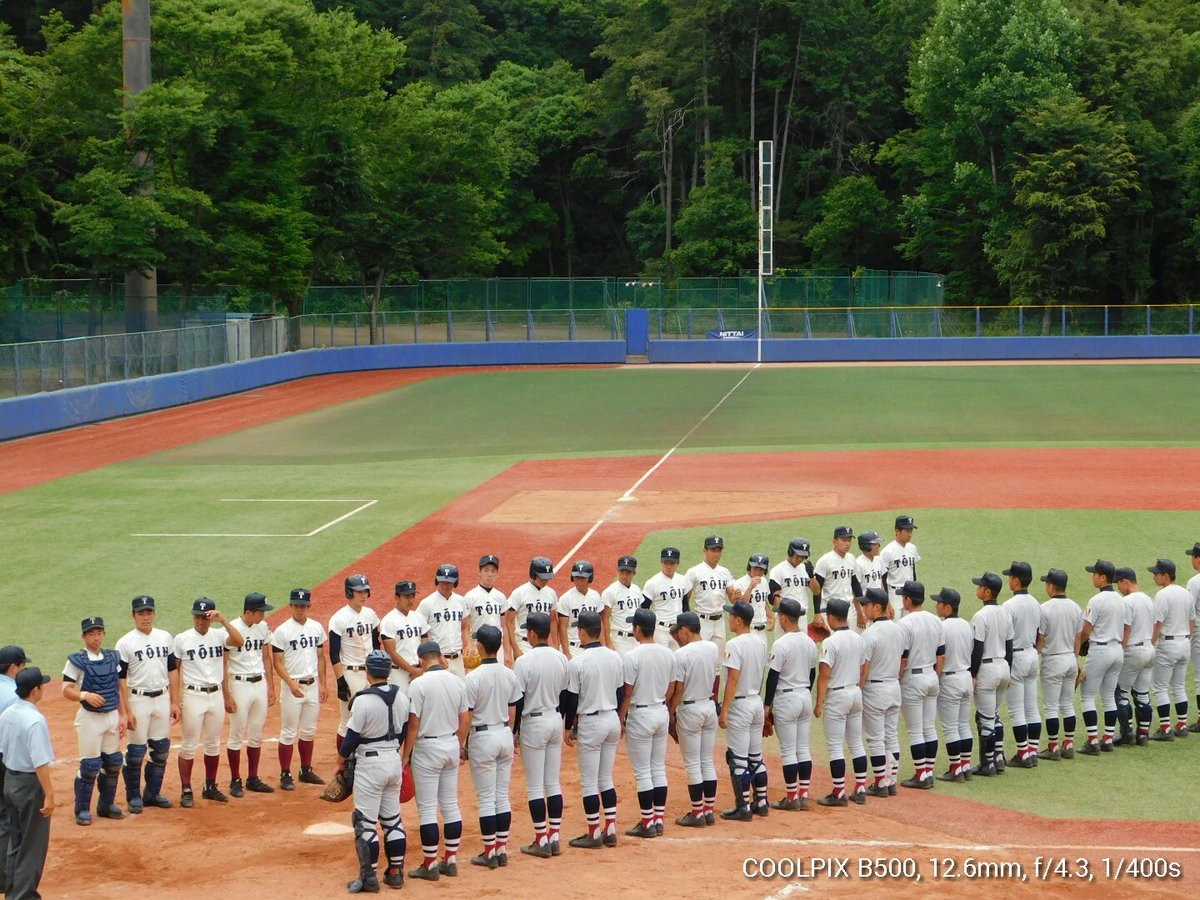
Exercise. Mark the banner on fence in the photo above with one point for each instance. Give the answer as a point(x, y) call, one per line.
point(732, 335)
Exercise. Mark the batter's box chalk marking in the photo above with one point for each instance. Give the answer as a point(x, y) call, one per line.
point(363, 504)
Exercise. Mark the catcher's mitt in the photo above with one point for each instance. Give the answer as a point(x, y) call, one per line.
point(471, 659)
point(407, 788)
point(341, 785)
point(818, 631)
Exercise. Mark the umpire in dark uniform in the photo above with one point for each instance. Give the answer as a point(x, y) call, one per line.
point(28, 794)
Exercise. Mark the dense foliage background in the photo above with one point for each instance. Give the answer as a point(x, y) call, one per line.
point(1034, 150)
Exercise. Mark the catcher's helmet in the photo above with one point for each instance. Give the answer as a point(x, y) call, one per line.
point(758, 561)
point(379, 664)
point(357, 583)
point(866, 539)
point(541, 567)
point(446, 573)
point(583, 569)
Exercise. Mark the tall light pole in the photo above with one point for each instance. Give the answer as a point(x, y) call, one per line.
point(141, 288)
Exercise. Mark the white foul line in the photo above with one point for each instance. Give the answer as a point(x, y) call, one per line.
point(628, 495)
point(363, 505)
point(342, 518)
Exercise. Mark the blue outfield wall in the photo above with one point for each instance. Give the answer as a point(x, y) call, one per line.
point(926, 349)
point(37, 413)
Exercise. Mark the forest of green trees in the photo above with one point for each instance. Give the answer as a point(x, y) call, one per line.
point(1033, 150)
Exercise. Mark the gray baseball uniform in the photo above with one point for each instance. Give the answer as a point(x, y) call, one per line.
point(1175, 607)
point(744, 721)
point(794, 656)
point(844, 653)
point(1193, 588)
point(924, 643)
point(437, 699)
point(992, 627)
point(884, 643)
point(1022, 696)
point(378, 771)
point(595, 674)
point(1059, 626)
point(1137, 668)
point(694, 667)
point(647, 674)
point(1106, 613)
point(954, 692)
point(492, 694)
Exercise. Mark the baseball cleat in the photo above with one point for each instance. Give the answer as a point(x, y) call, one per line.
point(760, 809)
point(693, 821)
point(1106, 746)
point(236, 789)
point(363, 885)
point(891, 792)
point(1049, 754)
point(1143, 740)
point(875, 790)
point(1091, 748)
point(984, 771)
point(285, 782)
point(859, 797)
point(83, 818)
point(134, 805)
point(159, 801)
point(308, 776)
point(555, 848)
point(1023, 762)
point(914, 782)
point(485, 862)
point(450, 870)
point(186, 799)
point(999, 764)
point(1194, 728)
point(641, 831)
point(610, 840)
point(394, 878)
point(425, 874)
point(256, 785)
point(658, 829)
point(1067, 752)
point(541, 851)
point(1125, 740)
point(1181, 730)
point(710, 818)
point(801, 803)
point(945, 776)
point(1161, 735)
point(738, 814)
point(502, 858)
point(110, 812)
point(584, 842)
point(831, 799)
point(212, 792)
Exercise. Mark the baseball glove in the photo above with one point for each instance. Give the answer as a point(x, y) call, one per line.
point(407, 788)
point(818, 631)
point(341, 785)
point(471, 659)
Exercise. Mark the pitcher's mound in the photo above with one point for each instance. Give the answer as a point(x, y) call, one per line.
point(328, 828)
point(657, 507)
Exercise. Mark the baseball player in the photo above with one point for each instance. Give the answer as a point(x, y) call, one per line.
point(435, 744)
point(693, 713)
point(1175, 607)
point(299, 663)
point(1193, 587)
point(446, 613)
point(1137, 668)
point(836, 577)
point(492, 697)
point(579, 598)
point(900, 558)
point(91, 679)
point(991, 657)
point(594, 686)
point(707, 585)
point(353, 633)
point(883, 644)
point(486, 604)
point(789, 580)
point(374, 734)
point(742, 714)
point(542, 677)
point(665, 594)
point(401, 632)
point(1060, 628)
point(924, 655)
point(871, 569)
point(621, 598)
point(788, 707)
point(1105, 632)
point(534, 596)
point(644, 716)
point(1022, 696)
point(199, 682)
point(838, 703)
point(954, 690)
point(252, 691)
point(755, 588)
point(146, 664)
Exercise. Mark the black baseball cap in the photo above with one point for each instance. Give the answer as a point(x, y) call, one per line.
point(1195, 551)
point(643, 619)
point(799, 547)
point(791, 608)
point(627, 564)
point(1125, 573)
point(1020, 569)
point(949, 596)
point(1103, 567)
point(1056, 577)
point(688, 620)
point(839, 609)
point(669, 554)
point(875, 595)
point(203, 606)
point(256, 602)
point(28, 679)
point(541, 567)
point(759, 561)
point(989, 580)
point(90, 624)
point(490, 637)
point(913, 590)
point(1163, 567)
point(427, 647)
point(905, 522)
point(714, 542)
point(489, 559)
point(300, 597)
point(142, 601)
point(843, 531)
point(589, 621)
point(446, 574)
point(539, 624)
point(12, 655)
point(405, 588)
point(741, 609)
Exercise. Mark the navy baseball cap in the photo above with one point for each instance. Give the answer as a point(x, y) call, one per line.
point(12, 655)
point(405, 588)
point(627, 564)
point(838, 609)
point(791, 608)
point(914, 590)
point(759, 561)
point(589, 621)
point(91, 623)
point(141, 601)
point(741, 609)
point(1103, 567)
point(538, 623)
point(446, 574)
point(643, 619)
point(582, 569)
point(1056, 577)
point(1125, 573)
point(28, 679)
point(490, 637)
point(905, 522)
point(688, 620)
point(203, 606)
point(949, 596)
point(1020, 569)
point(427, 647)
point(1163, 567)
point(541, 567)
point(843, 531)
point(489, 560)
point(989, 580)
point(1195, 551)
point(300, 597)
point(713, 542)
point(256, 602)
point(873, 595)
point(669, 554)
point(799, 547)
point(379, 664)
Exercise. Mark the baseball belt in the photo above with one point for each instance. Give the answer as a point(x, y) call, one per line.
point(715, 617)
point(918, 670)
point(355, 668)
point(534, 715)
point(305, 681)
point(486, 727)
point(573, 643)
point(1061, 653)
point(140, 693)
point(744, 696)
point(992, 659)
point(954, 672)
point(452, 655)
point(249, 679)
point(624, 634)
point(803, 687)
point(881, 681)
point(598, 712)
point(1140, 644)
point(840, 687)
point(759, 627)
point(647, 705)
point(1101, 643)
point(434, 737)
point(1174, 637)
point(209, 689)
point(690, 702)
point(666, 624)
point(371, 753)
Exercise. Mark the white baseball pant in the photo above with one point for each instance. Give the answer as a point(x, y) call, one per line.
point(918, 702)
point(1022, 694)
point(662, 635)
point(596, 743)
point(791, 711)
point(377, 783)
point(491, 757)
point(152, 715)
point(356, 680)
point(646, 744)
point(400, 678)
point(622, 641)
point(201, 719)
point(298, 715)
point(990, 683)
point(435, 778)
point(954, 706)
point(696, 726)
point(98, 732)
point(1100, 676)
point(1058, 684)
point(541, 753)
point(714, 630)
point(456, 665)
point(1137, 670)
point(1170, 671)
point(842, 716)
point(743, 736)
point(246, 723)
point(881, 716)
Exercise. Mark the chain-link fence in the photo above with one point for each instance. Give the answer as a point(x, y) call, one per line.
point(457, 326)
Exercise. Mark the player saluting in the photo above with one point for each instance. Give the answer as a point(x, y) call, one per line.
point(252, 690)
point(693, 713)
point(621, 598)
point(647, 673)
point(146, 664)
point(300, 665)
point(788, 706)
point(353, 633)
point(401, 632)
point(90, 679)
point(742, 714)
point(199, 681)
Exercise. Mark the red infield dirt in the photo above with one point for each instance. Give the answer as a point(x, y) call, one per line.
point(257, 845)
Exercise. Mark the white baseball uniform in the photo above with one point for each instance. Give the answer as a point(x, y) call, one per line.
point(404, 631)
point(527, 599)
point(760, 599)
point(924, 642)
point(883, 643)
point(838, 576)
point(647, 675)
point(97, 732)
point(570, 604)
point(202, 703)
point(871, 572)
point(445, 617)
point(1106, 613)
point(623, 601)
point(145, 661)
point(694, 667)
point(300, 645)
point(791, 583)
point(1175, 607)
point(666, 602)
point(248, 684)
point(352, 635)
point(707, 586)
point(900, 560)
point(486, 606)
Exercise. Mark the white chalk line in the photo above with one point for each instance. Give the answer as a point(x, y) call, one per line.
point(628, 495)
point(363, 504)
point(956, 848)
point(787, 891)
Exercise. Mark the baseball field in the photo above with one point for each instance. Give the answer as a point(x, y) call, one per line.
point(392, 473)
